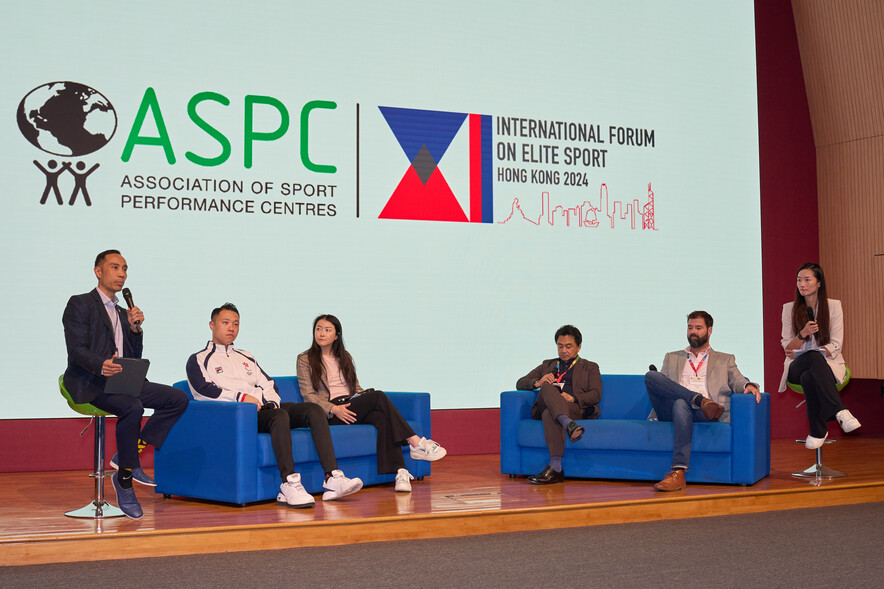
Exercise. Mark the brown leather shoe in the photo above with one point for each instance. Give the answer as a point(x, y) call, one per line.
point(673, 481)
point(711, 409)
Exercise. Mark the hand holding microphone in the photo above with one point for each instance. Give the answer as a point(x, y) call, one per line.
point(136, 317)
point(811, 327)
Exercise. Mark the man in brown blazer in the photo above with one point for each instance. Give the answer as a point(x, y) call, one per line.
point(570, 389)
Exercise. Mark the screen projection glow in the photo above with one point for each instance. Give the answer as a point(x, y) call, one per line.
point(454, 181)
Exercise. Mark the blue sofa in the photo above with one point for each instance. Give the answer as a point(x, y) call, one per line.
point(623, 444)
point(215, 452)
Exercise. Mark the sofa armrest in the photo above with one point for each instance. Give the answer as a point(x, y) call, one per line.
point(414, 407)
point(211, 453)
point(514, 407)
point(750, 423)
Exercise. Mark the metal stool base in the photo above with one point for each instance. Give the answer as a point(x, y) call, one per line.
point(96, 511)
point(98, 508)
point(819, 470)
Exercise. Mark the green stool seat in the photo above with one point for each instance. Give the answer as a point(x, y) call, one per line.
point(81, 408)
point(799, 389)
point(98, 508)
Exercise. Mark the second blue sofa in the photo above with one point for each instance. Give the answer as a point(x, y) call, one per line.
point(623, 444)
point(215, 452)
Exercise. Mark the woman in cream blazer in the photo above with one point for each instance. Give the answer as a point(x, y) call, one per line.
point(812, 334)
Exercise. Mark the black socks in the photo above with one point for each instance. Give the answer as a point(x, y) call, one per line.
point(124, 477)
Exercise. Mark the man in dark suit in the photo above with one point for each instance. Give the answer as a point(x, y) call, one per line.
point(695, 384)
point(570, 389)
point(97, 330)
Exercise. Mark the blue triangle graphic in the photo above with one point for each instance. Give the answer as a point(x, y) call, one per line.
point(416, 128)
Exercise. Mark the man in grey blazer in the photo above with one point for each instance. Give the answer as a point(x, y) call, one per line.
point(570, 389)
point(694, 384)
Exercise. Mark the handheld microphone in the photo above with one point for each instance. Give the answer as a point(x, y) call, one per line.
point(809, 312)
point(127, 296)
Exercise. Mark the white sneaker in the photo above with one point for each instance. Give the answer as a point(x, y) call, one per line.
point(428, 450)
point(812, 443)
point(292, 493)
point(403, 481)
point(847, 421)
point(340, 486)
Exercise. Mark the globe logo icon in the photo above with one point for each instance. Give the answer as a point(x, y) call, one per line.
point(66, 119)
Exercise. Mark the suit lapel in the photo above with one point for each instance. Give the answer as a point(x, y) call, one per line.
point(102, 311)
point(682, 360)
point(124, 323)
point(579, 375)
point(714, 380)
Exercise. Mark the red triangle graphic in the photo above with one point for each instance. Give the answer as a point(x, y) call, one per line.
point(414, 201)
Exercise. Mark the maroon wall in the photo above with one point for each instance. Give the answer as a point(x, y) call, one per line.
point(789, 237)
point(789, 224)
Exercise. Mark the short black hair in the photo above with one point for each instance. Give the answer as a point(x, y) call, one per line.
point(706, 317)
point(224, 307)
point(569, 330)
point(100, 257)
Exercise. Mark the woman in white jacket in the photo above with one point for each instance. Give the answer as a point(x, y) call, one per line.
point(813, 330)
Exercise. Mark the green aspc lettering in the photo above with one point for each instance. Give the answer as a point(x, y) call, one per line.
point(305, 142)
point(209, 129)
point(250, 135)
point(150, 103)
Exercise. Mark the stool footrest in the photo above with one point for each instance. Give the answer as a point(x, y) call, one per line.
point(106, 474)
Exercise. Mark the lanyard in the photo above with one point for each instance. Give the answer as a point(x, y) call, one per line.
point(559, 368)
point(697, 368)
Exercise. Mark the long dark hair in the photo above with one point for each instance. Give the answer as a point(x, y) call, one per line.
point(345, 360)
point(799, 308)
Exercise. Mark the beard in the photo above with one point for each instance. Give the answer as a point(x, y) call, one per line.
point(696, 341)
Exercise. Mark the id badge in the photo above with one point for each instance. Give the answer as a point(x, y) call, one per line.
point(697, 385)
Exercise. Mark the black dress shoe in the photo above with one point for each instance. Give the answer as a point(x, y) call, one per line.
point(575, 432)
point(547, 476)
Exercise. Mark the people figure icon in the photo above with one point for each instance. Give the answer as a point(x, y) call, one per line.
point(52, 179)
point(80, 182)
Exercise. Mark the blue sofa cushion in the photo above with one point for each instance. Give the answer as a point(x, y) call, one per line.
point(630, 435)
point(289, 391)
point(624, 397)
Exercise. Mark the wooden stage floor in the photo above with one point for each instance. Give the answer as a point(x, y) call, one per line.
point(466, 495)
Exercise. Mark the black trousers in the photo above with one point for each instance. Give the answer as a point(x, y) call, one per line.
point(373, 407)
point(549, 405)
point(823, 400)
point(168, 404)
point(279, 424)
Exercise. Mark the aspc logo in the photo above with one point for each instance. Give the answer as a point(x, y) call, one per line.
point(423, 194)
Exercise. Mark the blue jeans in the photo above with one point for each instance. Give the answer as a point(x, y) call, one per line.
point(673, 402)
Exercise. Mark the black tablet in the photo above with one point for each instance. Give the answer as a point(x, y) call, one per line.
point(129, 381)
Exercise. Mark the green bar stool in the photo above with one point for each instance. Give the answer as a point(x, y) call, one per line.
point(819, 470)
point(98, 508)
